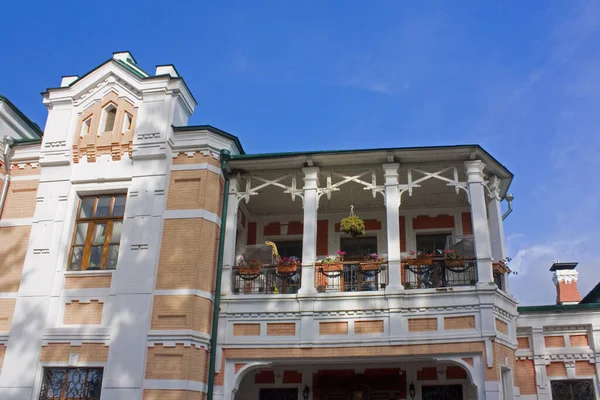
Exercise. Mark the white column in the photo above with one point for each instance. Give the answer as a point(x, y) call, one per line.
point(496, 226)
point(309, 239)
point(230, 237)
point(392, 205)
point(483, 251)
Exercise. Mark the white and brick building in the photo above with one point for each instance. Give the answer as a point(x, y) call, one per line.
point(118, 218)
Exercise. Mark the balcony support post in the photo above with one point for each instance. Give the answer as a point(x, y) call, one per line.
point(309, 238)
point(496, 225)
point(230, 237)
point(481, 233)
point(392, 206)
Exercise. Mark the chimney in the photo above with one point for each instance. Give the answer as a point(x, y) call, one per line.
point(565, 278)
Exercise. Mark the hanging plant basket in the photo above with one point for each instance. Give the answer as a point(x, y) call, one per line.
point(332, 267)
point(251, 270)
point(353, 225)
point(457, 263)
point(370, 266)
point(419, 261)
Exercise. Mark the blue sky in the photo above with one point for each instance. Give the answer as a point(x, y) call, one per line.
point(520, 78)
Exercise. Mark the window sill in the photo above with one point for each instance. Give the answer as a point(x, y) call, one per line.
point(94, 272)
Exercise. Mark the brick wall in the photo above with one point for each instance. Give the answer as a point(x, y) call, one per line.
point(501, 326)
point(579, 341)
point(281, 329)
point(7, 308)
point(177, 362)
point(15, 240)
point(88, 352)
point(501, 353)
point(467, 223)
point(322, 237)
point(422, 324)
point(195, 158)
point(368, 327)
point(554, 341)
point(567, 293)
point(437, 222)
point(333, 328)
point(246, 329)
point(173, 395)
point(188, 254)
point(20, 199)
point(523, 342)
point(457, 323)
point(556, 369)
point(195, 189)
point(182, 312)
point(584, 368)
point(77, 313)
point(88, 282)
point(525, 376)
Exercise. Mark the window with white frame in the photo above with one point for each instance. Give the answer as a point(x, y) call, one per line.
point(127, 121)
point(71, 384)
point(97, 233)
point(109, 115)
point(86, 126)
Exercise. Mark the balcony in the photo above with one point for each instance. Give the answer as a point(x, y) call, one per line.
point(350, 276)
point(437, 274)
point(266, 280)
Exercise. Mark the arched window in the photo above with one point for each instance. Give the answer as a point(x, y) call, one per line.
point(109, 115)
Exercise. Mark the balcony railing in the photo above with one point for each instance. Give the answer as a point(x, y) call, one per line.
point(439, 275)
point(266, 280)
point(351, 278)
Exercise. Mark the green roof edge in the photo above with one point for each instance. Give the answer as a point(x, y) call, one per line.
point(214, 130)
point(309, 153)
point(559, 307)
point(24, 117)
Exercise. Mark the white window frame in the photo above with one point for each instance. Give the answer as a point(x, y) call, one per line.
point(110, 106)
point(86, 126)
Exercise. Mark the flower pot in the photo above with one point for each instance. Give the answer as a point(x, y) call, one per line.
point(249, 271)
point(321, 288)
point(333, 267)
point(287, 269)
point(419, 261)
point(455, 263)
point(370, 266)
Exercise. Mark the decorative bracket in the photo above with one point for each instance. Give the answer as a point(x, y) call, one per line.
point(250, 191)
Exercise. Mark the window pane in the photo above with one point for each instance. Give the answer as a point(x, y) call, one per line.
point(113, 254)
point(94, 384)
point(81, 233)
point(99, 233)
point(87, 207)
point(359, 246)
point(76, 257)
point(434, 244)
point(110, 120)
point(53, 382)
point(116, 232)
point(95, 257)
point(75, 382)
point(290, 249)
point(119, 206)
point(103, 208)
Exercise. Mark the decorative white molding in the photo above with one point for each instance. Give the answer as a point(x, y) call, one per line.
point(184, 292)
point(195, 167)
point(565, 276)
point(16, 222)
point(76, 335)
point(185, 337)
point(250, 191)
point(173, 384)
point(197, 213)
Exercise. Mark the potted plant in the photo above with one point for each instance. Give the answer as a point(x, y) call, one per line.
point(352, 225)
point(373, 263)
point(419, 258)
point(252, 267)
point(287, 265)
point(333, 264)
point(501, 266)
point(453, 259)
